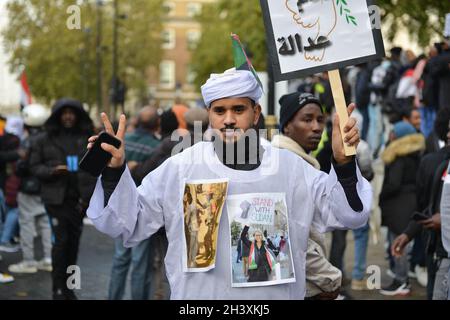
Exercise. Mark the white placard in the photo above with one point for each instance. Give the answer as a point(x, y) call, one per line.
point(447, 25)
point(318, 35)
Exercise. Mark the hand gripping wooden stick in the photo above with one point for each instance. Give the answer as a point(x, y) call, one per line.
point(341, 107)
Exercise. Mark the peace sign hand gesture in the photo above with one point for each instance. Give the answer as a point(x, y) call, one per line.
point(118, 155)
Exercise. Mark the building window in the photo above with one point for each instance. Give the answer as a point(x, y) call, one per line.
point(193, 9)
point(169, 8)
point(190, 75)
point(166, 104)
point(192, 38)
point(167, 74)
point(168, 39)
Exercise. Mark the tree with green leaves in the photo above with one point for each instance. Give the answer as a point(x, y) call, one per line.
point(213, 52)
point(421, 18)
point(61, 61)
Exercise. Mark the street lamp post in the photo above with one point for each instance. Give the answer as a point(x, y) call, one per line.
point(115, 60)
point(99, 57)
point(118, 89)
point(85, 67)
point(271, 120)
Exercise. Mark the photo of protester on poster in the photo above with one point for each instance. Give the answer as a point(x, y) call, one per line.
point(259, 227)
point(202, 205)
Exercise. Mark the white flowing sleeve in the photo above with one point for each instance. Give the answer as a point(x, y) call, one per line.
point(331, 205)
point(445, 214)
point(134, 213)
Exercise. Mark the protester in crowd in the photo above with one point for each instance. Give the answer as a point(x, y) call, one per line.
point(33, 218)
point(438, 137)
point(65, 189)
point(143, 141)
point(429, 189)
point(444, 268)
point(180, 110)
point(412, 116)
point(440, 70)
point(398, 194)
point(232, 100)
point(10, 154)
point(430, 92)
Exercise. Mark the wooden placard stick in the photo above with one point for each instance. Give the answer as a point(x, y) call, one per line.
point(341, 106)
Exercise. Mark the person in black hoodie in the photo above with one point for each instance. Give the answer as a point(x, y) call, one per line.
point(65, 189)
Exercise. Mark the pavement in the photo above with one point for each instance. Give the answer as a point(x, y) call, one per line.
point(95, 258)
point(375, 261)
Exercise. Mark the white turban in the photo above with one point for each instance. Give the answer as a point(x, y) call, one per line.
point(231, 84)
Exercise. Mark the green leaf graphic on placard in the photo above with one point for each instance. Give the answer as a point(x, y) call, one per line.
point(342, 4)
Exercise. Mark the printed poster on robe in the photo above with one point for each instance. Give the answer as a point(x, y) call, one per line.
point(203, 202)
point(259, 233)
point(306, 37)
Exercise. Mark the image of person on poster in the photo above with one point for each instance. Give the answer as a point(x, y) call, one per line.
point(192, 226)
point(257, 221)
point(202, 211)
point(261, 259)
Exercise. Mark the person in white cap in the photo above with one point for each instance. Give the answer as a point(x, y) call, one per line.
point(339, 200)
point(33, 218)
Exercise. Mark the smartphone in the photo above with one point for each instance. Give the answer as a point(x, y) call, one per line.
point(419, 216)
point(96, 159)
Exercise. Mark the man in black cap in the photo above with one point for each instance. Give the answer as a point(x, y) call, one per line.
point(302, 123)
point(302, 120)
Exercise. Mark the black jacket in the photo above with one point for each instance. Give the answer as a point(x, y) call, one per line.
point(425, 176)
point(51, 149)
point(29, 183)
point(9, 144)
point(431, 84)
point(263, 270)
point(441, 71)
point(398, 194)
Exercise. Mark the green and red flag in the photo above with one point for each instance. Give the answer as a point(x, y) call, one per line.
point(241, 60)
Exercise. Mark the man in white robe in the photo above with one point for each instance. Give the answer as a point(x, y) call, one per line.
point(341, 199)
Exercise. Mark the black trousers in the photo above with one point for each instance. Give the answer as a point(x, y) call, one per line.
point(337, 251)
point(67, 222)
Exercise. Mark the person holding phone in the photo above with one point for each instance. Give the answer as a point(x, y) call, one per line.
point(65, 189)
point(398, 195)
point(339, 200)
point(429, 184)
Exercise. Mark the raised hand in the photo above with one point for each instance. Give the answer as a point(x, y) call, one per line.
point(351, 136)
point(118, 155)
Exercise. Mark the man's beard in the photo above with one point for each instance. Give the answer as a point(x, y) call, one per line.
point(243, 151)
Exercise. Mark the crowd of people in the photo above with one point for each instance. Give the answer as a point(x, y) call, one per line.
point(400, 123)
